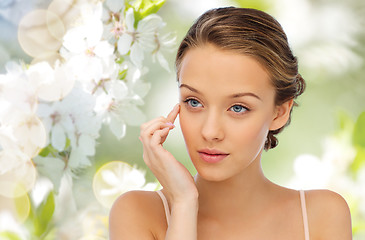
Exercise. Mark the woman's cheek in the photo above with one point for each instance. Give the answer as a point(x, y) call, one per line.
point(183, 120)
point(249, 132)
point(259, 133)
point(189, 124)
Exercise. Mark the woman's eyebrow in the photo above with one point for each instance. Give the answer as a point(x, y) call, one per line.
point(189, 87)
point(237, 95)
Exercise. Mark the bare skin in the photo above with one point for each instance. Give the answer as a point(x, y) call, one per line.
point(230, 198)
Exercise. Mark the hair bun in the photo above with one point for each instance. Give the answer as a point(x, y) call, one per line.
point(300, 85)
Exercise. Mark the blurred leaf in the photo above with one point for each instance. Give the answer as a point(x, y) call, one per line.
point(39, 220)
point(346, 123)
point(359, 131)
point(122, 74)
point(45, 212)
point(51, 150)
point(358, 139)
point(45, 151)
point(359, 161)
point(48, 150)
point(68, 143)
point(119, 60)
point(143, 8)
point(9, 236)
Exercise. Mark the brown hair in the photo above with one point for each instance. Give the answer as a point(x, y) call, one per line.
point(254, 33)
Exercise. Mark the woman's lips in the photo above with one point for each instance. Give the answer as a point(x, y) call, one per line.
point(212, 156)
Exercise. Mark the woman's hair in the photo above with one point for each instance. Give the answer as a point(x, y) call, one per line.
point(254, 33)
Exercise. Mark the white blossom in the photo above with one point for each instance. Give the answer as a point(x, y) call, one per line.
point(118, 102)
point(18, 176)
point(18, 101)
point(114, 5)
point(328, 171)
point(112, 10)
point(18, 93)
point(53, 83)
point(165, 43)
point(116, 178)
point(136, 41)
point(311, 172)
point(107, 107)
point(85, 51)
point(73, 118)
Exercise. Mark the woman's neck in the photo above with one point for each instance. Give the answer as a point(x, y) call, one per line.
point(240, 195)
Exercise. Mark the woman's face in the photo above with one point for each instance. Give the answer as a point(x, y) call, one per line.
point(227, 109)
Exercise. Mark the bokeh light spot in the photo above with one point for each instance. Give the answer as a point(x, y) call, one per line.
point(40, 32)
point(22, 207)
point(113, 179)
point(18, 180)
point(18, 207)
point(31, 135)
point(59, 87)
point(67, 10)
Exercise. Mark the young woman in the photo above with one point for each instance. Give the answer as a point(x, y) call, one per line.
point(238, 80)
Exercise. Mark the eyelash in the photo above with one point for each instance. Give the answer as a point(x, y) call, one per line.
point(188, 100)
point(243, 107)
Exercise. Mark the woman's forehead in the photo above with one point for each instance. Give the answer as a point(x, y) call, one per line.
point(210, 65)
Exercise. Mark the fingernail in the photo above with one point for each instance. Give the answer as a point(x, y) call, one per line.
point(170, 124)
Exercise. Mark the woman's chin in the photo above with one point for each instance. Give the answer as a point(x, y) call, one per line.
point(210, 176)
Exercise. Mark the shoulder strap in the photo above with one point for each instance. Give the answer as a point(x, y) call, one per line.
point(165, 205)
point(304, 214)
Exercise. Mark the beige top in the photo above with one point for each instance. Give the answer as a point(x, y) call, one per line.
point(302, 202)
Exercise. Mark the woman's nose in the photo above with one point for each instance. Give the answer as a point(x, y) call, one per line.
point(212, 129)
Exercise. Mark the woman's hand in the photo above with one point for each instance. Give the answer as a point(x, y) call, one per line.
point(173, 176)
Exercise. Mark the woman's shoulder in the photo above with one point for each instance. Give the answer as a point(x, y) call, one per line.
point(140, 204)
point(136, 213)
point(135, 198)
point(328, 215)
point(326, 203)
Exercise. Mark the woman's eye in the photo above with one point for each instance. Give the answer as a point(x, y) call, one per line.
point(193, 103)
point(238, 109)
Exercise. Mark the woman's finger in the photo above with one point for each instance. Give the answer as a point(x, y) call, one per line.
point(153, 127)
point(153, 121)
point(168, 121)
point(159, 136)
point(173, 114)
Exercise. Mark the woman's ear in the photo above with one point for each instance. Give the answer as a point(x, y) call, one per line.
point(282, 114)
